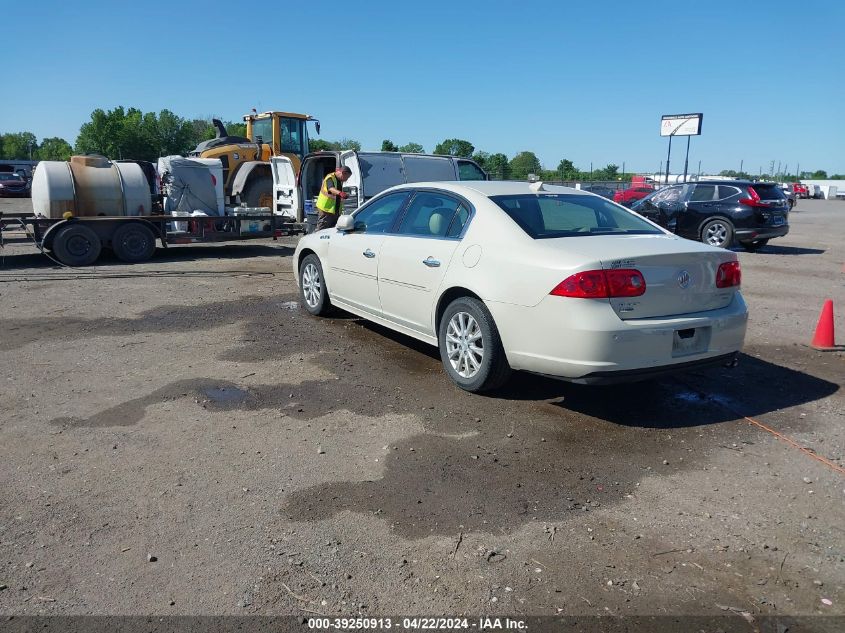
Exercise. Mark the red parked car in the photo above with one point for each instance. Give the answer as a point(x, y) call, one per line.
point(802, 191)
point(628, 197)
point(13, 186)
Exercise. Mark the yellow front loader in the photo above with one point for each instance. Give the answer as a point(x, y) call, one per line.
point(246, 160)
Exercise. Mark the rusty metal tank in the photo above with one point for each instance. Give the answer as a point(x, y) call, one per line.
point(90, 186)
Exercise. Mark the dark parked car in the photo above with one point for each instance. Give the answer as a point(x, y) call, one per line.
point(13, 185)
point(719, 213)
point(604, 192)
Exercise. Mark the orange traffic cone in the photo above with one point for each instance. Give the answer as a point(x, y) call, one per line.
point(823, 339)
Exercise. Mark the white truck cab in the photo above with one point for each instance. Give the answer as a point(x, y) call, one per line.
point(372, 173)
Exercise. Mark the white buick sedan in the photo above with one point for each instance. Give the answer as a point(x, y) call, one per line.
point(508, 276)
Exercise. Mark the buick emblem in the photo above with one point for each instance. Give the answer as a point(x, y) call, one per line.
point(684, 279)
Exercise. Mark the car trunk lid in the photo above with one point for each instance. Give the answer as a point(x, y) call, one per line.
point(680, 275)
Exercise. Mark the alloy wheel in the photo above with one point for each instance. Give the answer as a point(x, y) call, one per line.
point(312, 286)
point(464, 344)
point(716, 234)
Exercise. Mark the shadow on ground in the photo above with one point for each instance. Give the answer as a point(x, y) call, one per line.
point(18, 259)
point(773, 249)
point(754, 388)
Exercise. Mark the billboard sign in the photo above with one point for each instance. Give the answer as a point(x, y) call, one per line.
point(681, 124)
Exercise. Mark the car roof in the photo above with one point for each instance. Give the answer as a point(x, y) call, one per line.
point(731, 182)
point(491, 187)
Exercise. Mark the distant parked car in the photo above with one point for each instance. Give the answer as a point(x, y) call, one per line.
point(628, 197)
point(13, 185)
point(604, 192)
point(790, 193)
point(720, 213)
point(803, 191)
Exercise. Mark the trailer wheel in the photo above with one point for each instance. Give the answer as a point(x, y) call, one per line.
point(76, 245)
point(133, 243)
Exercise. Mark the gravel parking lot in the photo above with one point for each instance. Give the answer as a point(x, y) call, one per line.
point(179, 437)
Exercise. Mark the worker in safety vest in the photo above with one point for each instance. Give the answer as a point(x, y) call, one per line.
point(330, 201)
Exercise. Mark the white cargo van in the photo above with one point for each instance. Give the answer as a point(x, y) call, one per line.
point(372, 173)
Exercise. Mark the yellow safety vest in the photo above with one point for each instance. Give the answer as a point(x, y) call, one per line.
point(326, 202)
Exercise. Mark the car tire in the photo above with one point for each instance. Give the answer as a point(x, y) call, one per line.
point(718, 232)
point(76, 245)
point(133, 243)
point(473, 367)
point(752, 246)
point(313, 294)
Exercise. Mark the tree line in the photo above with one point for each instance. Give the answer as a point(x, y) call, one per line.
point(523, 163)
point(119, 133)
point(130, 133)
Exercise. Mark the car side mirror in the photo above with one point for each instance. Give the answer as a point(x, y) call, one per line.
point(345, 223)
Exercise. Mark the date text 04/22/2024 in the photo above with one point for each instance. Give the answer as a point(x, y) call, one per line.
point(418, 623)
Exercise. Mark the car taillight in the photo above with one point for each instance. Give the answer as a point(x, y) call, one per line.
point(728, 275)
point(601, 284)
point(753, 200)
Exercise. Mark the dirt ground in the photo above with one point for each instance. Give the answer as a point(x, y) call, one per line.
point(179, 437)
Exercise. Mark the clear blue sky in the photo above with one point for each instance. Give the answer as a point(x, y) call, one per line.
point(585, 81)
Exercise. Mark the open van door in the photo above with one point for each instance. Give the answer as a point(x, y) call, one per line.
point(285, 191)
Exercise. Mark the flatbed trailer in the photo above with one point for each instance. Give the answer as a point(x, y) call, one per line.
point(78, 241)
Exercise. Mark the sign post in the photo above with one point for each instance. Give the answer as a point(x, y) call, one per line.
point(680, 125)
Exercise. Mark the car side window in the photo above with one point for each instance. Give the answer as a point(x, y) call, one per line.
point(379, 215)
point(726, 192)
point(470, 171)
point(703, 193)
point(668, 196)
point(458, 222)
point(429, 215)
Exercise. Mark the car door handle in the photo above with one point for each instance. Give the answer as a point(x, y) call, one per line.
point(431, 262)
point(368, 254)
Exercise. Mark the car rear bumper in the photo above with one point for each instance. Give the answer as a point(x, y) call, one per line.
point(584, 340)
point(761, 233)
point(647, 373)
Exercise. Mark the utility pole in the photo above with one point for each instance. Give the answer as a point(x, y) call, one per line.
point(591, 170)
point(699, 170)
point(740, 167)
point(686, 160)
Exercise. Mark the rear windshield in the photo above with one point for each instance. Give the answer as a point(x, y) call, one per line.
point(768, 192)
point(545, 216)
point(5, 176)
